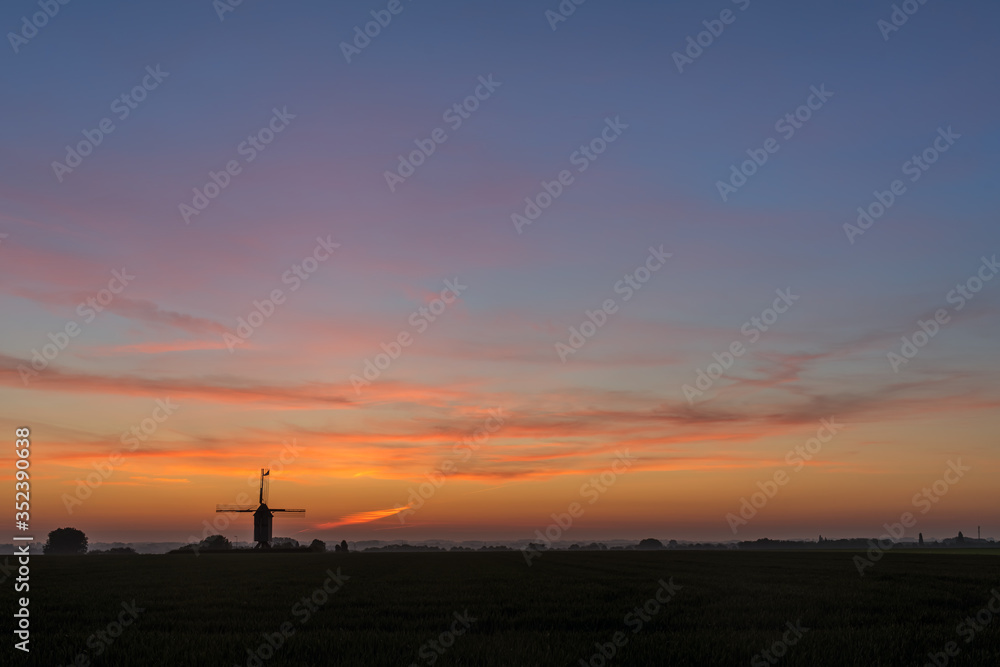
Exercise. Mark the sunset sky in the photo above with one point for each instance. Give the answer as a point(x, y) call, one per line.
point(641, 149)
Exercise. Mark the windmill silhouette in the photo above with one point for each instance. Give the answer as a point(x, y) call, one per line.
point(263, 516)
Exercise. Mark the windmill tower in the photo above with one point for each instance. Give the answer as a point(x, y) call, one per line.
point(263, 516)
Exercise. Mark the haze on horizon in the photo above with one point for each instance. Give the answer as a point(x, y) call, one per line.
point(563, 336)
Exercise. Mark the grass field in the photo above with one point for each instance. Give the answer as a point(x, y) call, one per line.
point(731, 606)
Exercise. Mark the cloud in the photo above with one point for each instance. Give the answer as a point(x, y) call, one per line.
point(361, 517)
point(139, 310)
point(154, 348)
point(226, 390)
point(151, 314)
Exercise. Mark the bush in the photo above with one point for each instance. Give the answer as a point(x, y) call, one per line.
point(215, 543)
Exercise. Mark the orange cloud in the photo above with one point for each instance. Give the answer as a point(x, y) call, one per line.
point(362, 517)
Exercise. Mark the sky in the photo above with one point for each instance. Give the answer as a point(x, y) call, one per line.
point(498, 269)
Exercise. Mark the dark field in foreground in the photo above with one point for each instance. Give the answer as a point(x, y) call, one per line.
point(209, 609)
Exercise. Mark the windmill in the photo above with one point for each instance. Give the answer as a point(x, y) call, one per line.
point(263, 516)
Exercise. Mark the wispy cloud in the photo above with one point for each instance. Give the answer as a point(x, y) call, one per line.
point(160, 480)
point(361, 517)
point(225, 390)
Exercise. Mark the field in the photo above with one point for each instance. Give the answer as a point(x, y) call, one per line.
point(725, 608)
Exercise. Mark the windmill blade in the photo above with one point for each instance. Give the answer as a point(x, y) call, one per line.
point(273, 510)
point(234, 508)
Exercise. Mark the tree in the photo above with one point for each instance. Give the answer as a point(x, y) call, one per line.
point(650, 543)
point(121, 550)
point(920, 539)
point(317, 545)
point(215, 543)
point(113, 550)
point(66, 541)
point(961, 538)
point(343, 546)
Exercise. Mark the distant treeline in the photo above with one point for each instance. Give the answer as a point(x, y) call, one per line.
point(218, 543)
point(856, 543)
point(418, 547)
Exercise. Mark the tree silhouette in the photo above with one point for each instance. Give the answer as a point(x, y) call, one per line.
point(112, 550)
point(121, 550)
point(66, 541)
point(343, 546)
point(216, 542)
point(650, 543)
point(317, 545)
point(920, 538)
